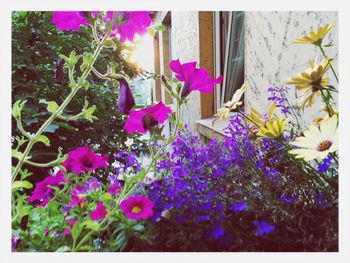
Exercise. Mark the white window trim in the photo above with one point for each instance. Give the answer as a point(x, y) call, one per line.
point(219, 93)
point(217, 69)
point(227, 47)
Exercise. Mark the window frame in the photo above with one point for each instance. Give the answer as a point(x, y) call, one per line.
point(220, 89)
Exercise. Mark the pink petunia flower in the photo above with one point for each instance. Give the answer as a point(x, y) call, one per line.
point(77, 196)
point(66, 232)
point(83, 159)
point(193, 78)
point(99, 213)
point(70, 221)
point(43, 191)
point(132, 23)
point(137, 207)
point(69, 20)
point(142, 120)
point(114, 188)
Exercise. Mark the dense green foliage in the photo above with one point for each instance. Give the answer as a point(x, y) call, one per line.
point(37, 74)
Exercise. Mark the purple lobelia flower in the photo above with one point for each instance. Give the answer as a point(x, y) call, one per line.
point(289, 200)
point(193, 78)
point(278, 95)
point(263, 228)
point(92, 184)
point(239, 206)
point(324, 165)
point(126, 99)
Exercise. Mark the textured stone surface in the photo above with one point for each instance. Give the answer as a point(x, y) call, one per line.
point(185, 46)
point(271, 59)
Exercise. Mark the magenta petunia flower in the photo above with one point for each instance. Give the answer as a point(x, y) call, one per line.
point(99, 213)
point(193, 78)
point(83, 159)
point(66, 232)
point(114, 188)
point(141, 120)
point(137, 207)
point(132, 23)
point(43, 191)
point(70, 221)
point(69, 20)
point(77, 196)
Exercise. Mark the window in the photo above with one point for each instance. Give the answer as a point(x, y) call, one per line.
point(228, 53)
point(162, 57)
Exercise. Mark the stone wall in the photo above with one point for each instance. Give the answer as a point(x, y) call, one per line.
point(185, 46)
point(271, 59)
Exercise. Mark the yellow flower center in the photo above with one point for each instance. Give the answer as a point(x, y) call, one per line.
point(323, 146)
point(136, 210)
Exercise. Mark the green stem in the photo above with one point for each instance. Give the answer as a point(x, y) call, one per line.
point(85, 238)
point(60, 109)
point(154, 158)
point(293, 111)
point(326, 57)
point(331, 111)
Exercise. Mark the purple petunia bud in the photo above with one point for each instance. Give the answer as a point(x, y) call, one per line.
point(126, 99)
point(59, 70)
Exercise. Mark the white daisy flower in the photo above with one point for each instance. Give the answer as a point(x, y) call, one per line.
point(318, 142)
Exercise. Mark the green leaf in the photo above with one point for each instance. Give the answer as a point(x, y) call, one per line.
point(138, 228)
point(16, 154)
point(107, 196)
point(21, 184)
point(51, 105)
point(151, 31)
point(88, 113)
point(87, 61)
point(22, 13)
point(76, 230)
point(109, 43)
point(92, 225)
point(73, 58)
point(17, 108)
point(44, 140)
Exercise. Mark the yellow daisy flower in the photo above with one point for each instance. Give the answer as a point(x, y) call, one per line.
point(315, 37)
point(310, 82)
point(317, 120)
point(317, 142)
point(273, 127)
point(233, 104)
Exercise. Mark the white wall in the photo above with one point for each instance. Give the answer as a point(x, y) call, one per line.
point(185, 46)
point(271, 59)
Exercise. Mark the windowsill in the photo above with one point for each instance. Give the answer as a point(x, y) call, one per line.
point(205, 128)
